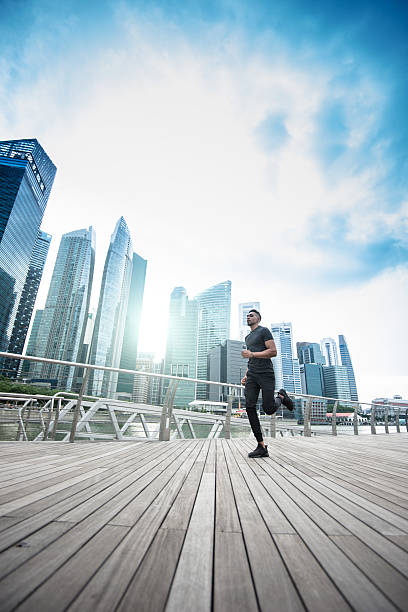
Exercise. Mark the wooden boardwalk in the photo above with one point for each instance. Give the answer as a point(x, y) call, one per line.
point(197, 526)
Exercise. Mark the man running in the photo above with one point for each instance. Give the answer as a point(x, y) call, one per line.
point(260, 375)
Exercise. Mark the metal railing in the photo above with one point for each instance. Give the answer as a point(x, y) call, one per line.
point(79, 412)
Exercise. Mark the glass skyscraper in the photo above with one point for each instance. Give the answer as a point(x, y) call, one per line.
point(329, 351)
point(181, 349)
point(336, 382)
point(214, 316)
point(27, 301)
point(107, 340)
point(309, 352)
point(26, 177)
point(133, 314)
point(346, 361)
point(243, 309)
point(286, 367)
point(63, 322)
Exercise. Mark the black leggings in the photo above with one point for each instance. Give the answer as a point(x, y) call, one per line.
point(254, 383)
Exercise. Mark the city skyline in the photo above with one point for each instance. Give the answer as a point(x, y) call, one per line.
point(209, 127)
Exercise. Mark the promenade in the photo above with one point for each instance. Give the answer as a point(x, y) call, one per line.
point(195, 525)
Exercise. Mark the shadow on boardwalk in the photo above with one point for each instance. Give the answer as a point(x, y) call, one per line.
point(196, 525)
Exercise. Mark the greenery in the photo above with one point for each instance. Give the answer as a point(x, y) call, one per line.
point(8, 386)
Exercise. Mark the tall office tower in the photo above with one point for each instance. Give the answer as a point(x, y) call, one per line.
point(311, 376)
point(28, 297)
point(32, 342)
point(26, 178)
point(309, 352)
point(336, 382)
point(181, 349)
point(63, 322)
point(142, 384)
point(243, 310)
point(329, 351)
point(225, 364)
point(286, 367)
point(133, 315)
point(156, 384)
point(213, 327)
point(346, 361)
point(107, 340)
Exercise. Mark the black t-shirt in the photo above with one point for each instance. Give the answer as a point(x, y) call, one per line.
point(255, 342)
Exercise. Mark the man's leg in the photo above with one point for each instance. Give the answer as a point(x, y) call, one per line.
point(270, 403)
point(251, 397)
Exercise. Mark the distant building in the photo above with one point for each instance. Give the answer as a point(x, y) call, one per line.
point(309, 352)
point(346, 361)
point(63, 322)
point(133, 315)
point(26, 178)
point(311, 375)
point(27, 301)
point(141, 385)
point(397, 403)
point(243, 309)
point(213, 327)
point(329, 351)
point(31, 349)
point(286, 367)
point(182, 339)
point(336, 383)
point(225, 364)
point(107, 340)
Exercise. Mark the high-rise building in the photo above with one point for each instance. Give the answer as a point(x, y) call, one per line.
point(181, 349)
point(107, 340)
point(64, 319)
point(133, 315)
point(309, 352)
point(213, 327)
point(243, 310)
point(225, 364)
point(346, 361)
point(286, 367)
point(329, 351)
point(26, 178)
point(311, 376)
point(336, 382)
point(27, 301)
point(32, 341)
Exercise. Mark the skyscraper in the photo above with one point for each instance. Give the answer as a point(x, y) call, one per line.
point(286, 367)
point(346, 361)
point(213, 326)
point(107, 340)
point(309, 352)
point(329, 351)
point(26, 178)
point(32, 341)
point(336, 382)
point(243, 309)
point(181, 349)
point(225, 364)
point(133, 314)
point(27, 301)
point(64, 319)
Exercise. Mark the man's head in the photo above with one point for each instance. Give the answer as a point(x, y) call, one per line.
point(253, 317)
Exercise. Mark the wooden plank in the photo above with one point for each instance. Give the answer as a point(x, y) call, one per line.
point(273, 585)
point(384, 576)
point(108, 585)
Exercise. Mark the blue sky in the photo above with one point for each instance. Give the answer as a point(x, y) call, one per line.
point(264, 142)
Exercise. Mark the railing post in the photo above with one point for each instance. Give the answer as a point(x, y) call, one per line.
point(307, 431)
point(406, 419)
point(386, 419)
point(334, 419)
point(167, 410)
point(78, 405)
point(227, 425)
point(372, 419)
point(355, 420)
point(397, 423)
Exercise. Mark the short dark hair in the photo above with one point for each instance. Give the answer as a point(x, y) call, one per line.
point(256, 312)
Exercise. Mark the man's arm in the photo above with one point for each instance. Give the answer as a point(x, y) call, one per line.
point(269, 352)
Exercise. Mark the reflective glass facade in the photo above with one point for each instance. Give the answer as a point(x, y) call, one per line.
point(214, 317)
point(26, 178)
point(27, 301)
point(63, 322)
point(346, 361)
point(286, 367)
point(133, 314)
point(181, 349)
point(107, 340)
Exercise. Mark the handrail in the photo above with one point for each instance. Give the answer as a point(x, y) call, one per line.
point(168, 404)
